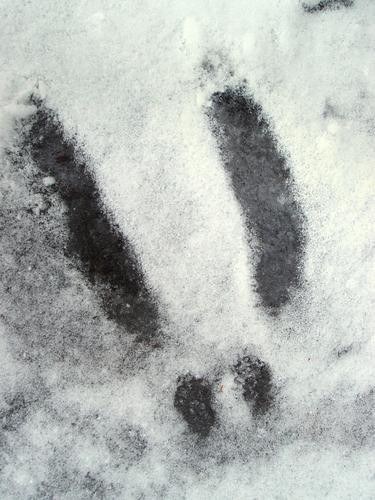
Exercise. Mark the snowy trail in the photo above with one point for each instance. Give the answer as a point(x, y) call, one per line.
point(88, 413)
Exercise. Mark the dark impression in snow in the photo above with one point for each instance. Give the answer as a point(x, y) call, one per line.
point(95, 243)
point(194, 400)
point(263, 185)
point(16, 413)
point(326, 5)
point(255, 378)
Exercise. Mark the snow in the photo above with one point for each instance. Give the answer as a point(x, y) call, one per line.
point(126, 80)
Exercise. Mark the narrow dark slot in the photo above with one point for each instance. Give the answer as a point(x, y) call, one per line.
point(193, 399)
point(95, 243)
point(263, 186)
point(327, 5)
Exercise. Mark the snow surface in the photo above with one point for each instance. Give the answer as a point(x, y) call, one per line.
point(126, 81)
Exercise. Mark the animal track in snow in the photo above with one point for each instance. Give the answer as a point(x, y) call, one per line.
point(96, 244)
point(263, 186)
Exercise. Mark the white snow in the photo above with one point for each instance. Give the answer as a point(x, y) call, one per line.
point(126, 80)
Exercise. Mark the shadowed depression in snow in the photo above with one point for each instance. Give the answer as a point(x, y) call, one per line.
point(326, 5)
point(263, 185)
point(96, 244)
